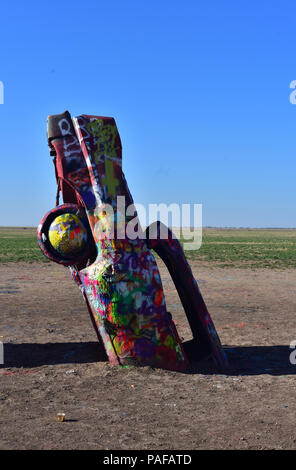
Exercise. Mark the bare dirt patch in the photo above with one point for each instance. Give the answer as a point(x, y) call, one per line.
point(53, 363)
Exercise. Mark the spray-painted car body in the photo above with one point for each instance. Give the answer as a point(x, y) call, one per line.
point(117, 275)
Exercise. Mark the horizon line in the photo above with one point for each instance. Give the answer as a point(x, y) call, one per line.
point(225, 227)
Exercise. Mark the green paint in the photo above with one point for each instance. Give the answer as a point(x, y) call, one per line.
point(109, 180)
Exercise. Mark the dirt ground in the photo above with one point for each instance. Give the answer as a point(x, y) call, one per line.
point(53, 363)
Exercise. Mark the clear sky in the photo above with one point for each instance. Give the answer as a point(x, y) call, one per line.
point(199, 91)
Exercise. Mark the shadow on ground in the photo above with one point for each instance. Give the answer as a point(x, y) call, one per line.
point(35, 355)
point(243, 360)
point(251, 360)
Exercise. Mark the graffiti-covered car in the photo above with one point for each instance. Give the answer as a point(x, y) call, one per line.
point(111, 258)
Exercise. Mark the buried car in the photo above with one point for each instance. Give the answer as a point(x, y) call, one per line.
point(117, 273)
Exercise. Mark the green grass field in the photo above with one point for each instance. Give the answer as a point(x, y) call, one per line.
point(253, 248)
point(19, 244)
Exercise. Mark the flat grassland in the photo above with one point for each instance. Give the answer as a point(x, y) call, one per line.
point(53, 362)
point(252, 248)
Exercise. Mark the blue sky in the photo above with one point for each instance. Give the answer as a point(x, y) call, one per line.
point(199, 91)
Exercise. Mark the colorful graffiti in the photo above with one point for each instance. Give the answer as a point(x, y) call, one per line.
point(118, 276)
